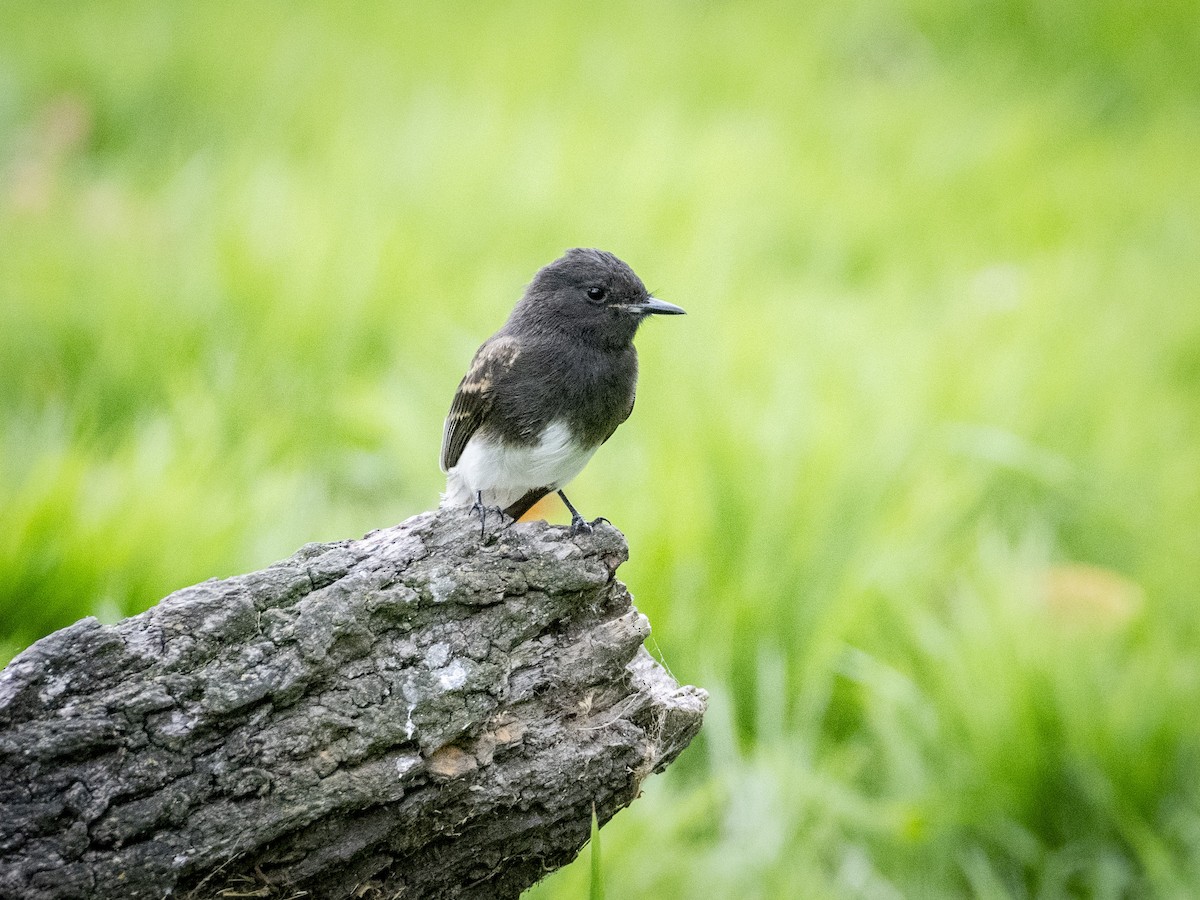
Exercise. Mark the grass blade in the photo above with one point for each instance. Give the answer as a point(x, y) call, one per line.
point(597, 882)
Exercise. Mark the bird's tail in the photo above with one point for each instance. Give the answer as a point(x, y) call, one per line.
point(459, 494)
point(526, 503)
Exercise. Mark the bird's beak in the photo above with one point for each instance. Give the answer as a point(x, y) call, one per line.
point(654, 306)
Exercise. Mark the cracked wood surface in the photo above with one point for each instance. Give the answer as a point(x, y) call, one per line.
point(418, 713)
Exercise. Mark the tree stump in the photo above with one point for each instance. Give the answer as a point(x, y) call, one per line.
point(419, 713)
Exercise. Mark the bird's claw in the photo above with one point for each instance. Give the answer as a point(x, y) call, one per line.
point(482, 511)
point(580, 526)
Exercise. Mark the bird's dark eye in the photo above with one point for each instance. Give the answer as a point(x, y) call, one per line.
point(596, 293)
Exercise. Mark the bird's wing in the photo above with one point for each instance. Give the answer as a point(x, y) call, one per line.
point(629, 408)
point(628, 413)
point(475, 395)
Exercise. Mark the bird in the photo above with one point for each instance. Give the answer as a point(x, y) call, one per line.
point(546, 390)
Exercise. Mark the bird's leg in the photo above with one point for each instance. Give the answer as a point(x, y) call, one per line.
point(578, 525)
point(482, 510)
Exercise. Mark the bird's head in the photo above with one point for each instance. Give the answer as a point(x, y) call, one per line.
point(592, 294)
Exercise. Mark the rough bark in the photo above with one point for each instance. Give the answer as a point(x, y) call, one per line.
point(420, 713)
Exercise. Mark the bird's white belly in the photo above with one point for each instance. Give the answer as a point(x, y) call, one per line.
point(506, 473)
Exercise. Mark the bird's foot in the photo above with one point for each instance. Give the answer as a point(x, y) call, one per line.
point(478, 508)
point(482, 510)
point(578, 524)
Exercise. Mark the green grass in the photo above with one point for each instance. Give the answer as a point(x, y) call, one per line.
point(940, 263)
point(596, 883)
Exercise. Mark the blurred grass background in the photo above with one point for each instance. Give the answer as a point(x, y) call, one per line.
point(914, 489)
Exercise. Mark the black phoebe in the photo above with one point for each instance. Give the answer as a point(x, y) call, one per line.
point(547, 389)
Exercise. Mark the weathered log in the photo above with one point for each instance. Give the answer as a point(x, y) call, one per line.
point(420, 713)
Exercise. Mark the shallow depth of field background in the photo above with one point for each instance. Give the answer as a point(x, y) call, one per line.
point(913, 490)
